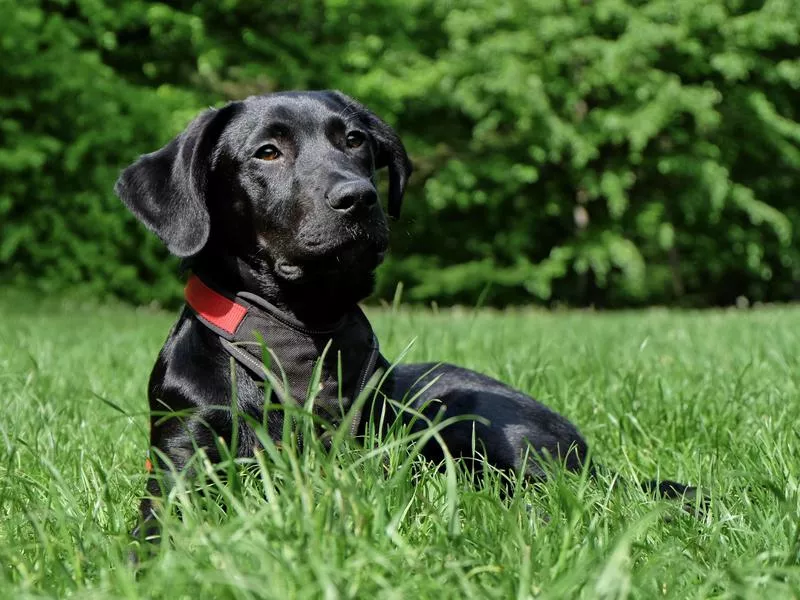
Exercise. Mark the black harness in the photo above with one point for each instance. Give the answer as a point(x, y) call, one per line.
point(263, 339)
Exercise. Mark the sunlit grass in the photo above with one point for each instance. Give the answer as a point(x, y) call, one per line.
point(709, 398)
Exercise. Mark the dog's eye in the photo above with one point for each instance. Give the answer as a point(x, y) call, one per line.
point(268, 152)
point(355, 139)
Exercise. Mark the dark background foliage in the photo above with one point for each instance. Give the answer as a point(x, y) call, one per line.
point(606, 152)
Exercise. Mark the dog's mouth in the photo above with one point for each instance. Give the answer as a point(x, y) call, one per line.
point(344, 256)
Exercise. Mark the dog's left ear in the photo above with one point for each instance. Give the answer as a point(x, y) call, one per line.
point(390, 152)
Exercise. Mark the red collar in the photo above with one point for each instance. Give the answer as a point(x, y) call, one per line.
point(220, 311)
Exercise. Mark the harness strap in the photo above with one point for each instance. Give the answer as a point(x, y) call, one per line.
point(245, 320)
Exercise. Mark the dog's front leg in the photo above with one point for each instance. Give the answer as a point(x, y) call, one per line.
point(175, 443)
point(148, 529)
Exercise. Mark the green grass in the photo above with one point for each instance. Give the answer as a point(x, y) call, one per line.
point(710, 398)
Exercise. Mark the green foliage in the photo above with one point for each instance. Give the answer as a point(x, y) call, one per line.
point(69, 123)
point(612, 152)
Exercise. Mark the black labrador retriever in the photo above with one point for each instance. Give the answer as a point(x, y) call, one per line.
point(272, 203)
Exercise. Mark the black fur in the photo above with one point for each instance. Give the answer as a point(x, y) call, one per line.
point(304, 232)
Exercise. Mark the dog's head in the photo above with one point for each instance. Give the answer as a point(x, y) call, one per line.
point(284, 181)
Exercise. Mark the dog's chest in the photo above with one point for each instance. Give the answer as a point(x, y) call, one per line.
point(329, 366)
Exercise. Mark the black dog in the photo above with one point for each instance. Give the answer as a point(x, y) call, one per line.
point(272, 203)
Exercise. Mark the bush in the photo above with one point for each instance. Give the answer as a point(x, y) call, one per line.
point(603, 152)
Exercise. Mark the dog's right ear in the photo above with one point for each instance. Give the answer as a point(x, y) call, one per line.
point(390, 151)
point(166, 189)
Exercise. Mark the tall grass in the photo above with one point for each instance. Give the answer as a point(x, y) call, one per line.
point(709, 398)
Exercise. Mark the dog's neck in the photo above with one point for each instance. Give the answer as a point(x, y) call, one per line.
point(318, 303)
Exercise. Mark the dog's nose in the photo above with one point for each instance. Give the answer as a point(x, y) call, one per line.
point(351, 195)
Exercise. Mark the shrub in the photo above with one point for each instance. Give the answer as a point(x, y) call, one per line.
point(606, 152)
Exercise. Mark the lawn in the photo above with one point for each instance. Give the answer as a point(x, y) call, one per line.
point(710, 398)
